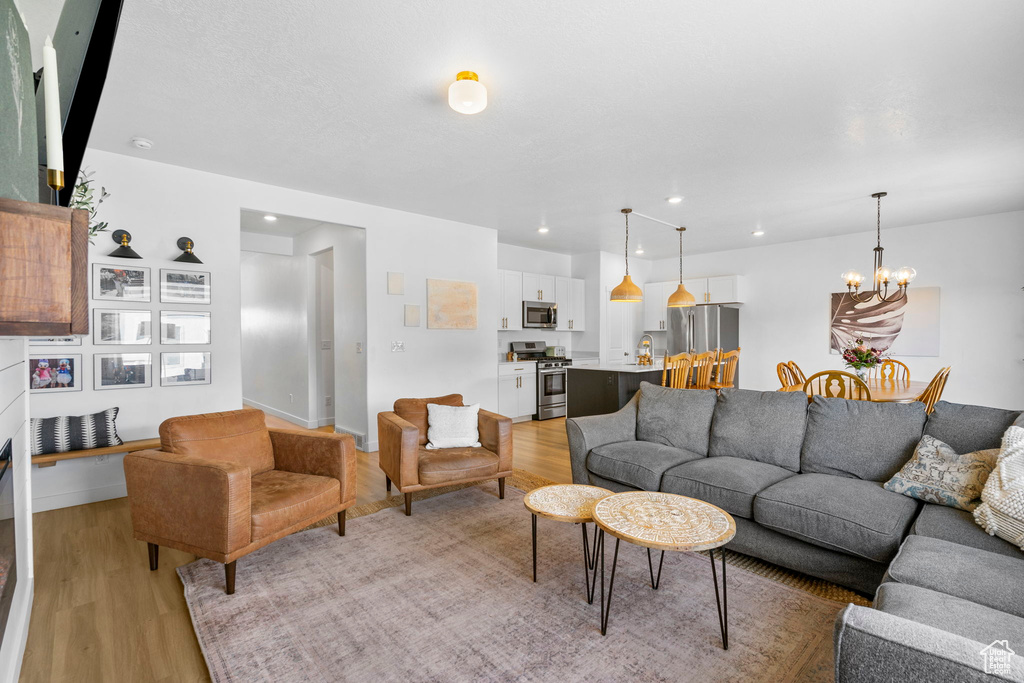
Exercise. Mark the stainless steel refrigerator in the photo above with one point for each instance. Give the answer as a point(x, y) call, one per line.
point(703, 328)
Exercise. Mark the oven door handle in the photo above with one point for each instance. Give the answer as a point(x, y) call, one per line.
point(556, 371)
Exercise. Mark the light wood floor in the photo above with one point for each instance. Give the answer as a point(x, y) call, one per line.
point(101, 615)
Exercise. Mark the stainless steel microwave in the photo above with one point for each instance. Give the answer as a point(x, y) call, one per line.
point(540, 314)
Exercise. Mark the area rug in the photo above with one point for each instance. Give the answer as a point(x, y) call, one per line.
point(447, 595)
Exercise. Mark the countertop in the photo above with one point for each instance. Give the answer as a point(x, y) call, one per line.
point(633, 369)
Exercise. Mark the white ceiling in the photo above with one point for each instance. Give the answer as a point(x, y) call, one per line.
point(784, 115)
point(284, 226)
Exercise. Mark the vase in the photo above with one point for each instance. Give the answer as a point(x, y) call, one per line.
point(862, 373)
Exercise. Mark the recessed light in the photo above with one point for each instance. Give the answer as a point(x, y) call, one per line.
point(542, 229)
point(142, 143)
point(757, 233)
point(639, 250)
point(270, 217)
point(673, 200)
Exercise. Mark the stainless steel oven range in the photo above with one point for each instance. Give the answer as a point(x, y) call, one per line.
point(551, 378)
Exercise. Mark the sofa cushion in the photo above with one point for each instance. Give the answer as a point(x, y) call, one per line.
point(860, 439)
point(281, 499)
point(445, 465)
point(637, 463)
point(767, 426)
point(680, 418)
point(729, 483)
point(238, 436)
point(851, 516)
point(951, 614)
point(988, 579)
point(414, 410)
point(938, 474)
point(969, 428)
point(958, 526)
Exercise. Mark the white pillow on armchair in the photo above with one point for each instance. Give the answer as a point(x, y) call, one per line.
point(452, 426)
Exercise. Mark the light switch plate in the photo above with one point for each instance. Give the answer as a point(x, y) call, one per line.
point(325, 345)
point(398, 346)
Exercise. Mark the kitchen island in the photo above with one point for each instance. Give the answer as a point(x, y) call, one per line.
point(601, 389)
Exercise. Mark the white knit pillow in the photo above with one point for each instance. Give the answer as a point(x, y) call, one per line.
point(452, 426)
point(1001, 512)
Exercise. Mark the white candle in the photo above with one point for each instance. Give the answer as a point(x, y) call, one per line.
point(51, 96)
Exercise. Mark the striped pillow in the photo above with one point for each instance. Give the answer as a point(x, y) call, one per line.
point(62, 434)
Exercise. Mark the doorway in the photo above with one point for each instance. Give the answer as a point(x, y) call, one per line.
point(323, 269)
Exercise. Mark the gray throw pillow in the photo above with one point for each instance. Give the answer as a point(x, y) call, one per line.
point(938, 474)
point(62, 434)
point(680, 418)
point(766, 426)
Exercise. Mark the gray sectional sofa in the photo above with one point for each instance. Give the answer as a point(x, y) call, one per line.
point(804, 484)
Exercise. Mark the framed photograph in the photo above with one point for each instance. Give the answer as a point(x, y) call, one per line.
point(182, 369)
point(184, 327)
point(118, 283)
point(122, 326)
point(52, 374)
point(184, 287)
point(122, 370)
point(55, 341)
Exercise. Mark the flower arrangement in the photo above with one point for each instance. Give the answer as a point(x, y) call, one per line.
point(860, 357)
point(85, 197)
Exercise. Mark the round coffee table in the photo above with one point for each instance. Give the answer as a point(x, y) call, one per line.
point(664, 521)
point(573, 503)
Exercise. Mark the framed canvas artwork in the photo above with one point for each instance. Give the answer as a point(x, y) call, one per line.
point(122, 326)
point(52, 374)
point(122, 370)
point(451, 305)
point(183, 369)
point(116, 283)
point(184, 287)
point(908, 327)
point(185, 327)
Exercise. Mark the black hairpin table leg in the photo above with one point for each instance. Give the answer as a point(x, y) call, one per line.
point(606, 606)
point(723, 603)
point(589, 558)
point(534, 548)
point(655, 582)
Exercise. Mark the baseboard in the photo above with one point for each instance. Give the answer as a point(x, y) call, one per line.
point(326, 421)
point(12, 652)
point(309, 424)
point(72, 498)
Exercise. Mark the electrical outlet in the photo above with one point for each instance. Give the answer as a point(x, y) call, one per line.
point(398, 346)
point(328, 401)
point(325, 345)
point(359, 347)
point(100, 459)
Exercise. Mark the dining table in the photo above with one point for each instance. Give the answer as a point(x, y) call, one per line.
point(885, 390)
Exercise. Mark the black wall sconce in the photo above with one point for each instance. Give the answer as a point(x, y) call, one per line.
point(186, 244)
point(123, 237)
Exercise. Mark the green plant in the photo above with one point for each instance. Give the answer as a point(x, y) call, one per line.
point(85, 197)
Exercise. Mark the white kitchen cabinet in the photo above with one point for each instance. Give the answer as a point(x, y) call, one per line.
point(563, 300)
point(510, 302)
point(725, 289)
point(517, 389)
point(656, 305)
point(577, 304)
point(698, 286)
point(538, 287)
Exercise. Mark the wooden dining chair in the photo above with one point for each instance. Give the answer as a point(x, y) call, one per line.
point(933, 392)
point(703, 364)
point(676, 370)
point(786, 375)
point(891, 370)
point(837, 384)
point(797, 373)
point(725, 375)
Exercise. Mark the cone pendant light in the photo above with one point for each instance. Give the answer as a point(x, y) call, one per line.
point(681, 298)
point(627, 290)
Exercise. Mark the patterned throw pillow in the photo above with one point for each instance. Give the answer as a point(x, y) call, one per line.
point(1001, 512)
point(62, 434)
point(937, 474)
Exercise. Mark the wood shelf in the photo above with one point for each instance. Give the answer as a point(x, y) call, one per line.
point(51, 459)
point(44, 271)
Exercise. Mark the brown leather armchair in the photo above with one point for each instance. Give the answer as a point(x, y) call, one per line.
point(223, 485)
point(406, 462)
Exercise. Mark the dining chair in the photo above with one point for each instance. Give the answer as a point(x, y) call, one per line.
point(676, 370)
point(933, 392)
point(725, 375)
point(703, 364)
point(797, 373)
point(892, 370)
point(786, 375)
point(837, 384)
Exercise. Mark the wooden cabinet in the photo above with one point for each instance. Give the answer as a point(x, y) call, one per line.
point(570, 296)
point(538, 287)
point(44, 272)
point(510, 302)
point(517, 389)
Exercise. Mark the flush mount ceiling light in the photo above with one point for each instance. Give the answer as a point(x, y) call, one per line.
point(681, 298)
point(542, 229)
point(467, 95)
point(142, 143)
point(639, 249)
point(270, 217)
point(758, 233)
point(627, 290)
point(881, 274)
point(673, 200)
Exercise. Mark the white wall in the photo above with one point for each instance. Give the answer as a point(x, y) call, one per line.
point(16, 500)
point(975, 262)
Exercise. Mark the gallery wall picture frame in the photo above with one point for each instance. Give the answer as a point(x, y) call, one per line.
point(185, 368)
point(119, 283)
point(55, 341)
point(122, 326)
point(122, 371)
point(55, 373)
point(396, 283)
point(412, 315)
point(185, 327)
point(184, 286)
